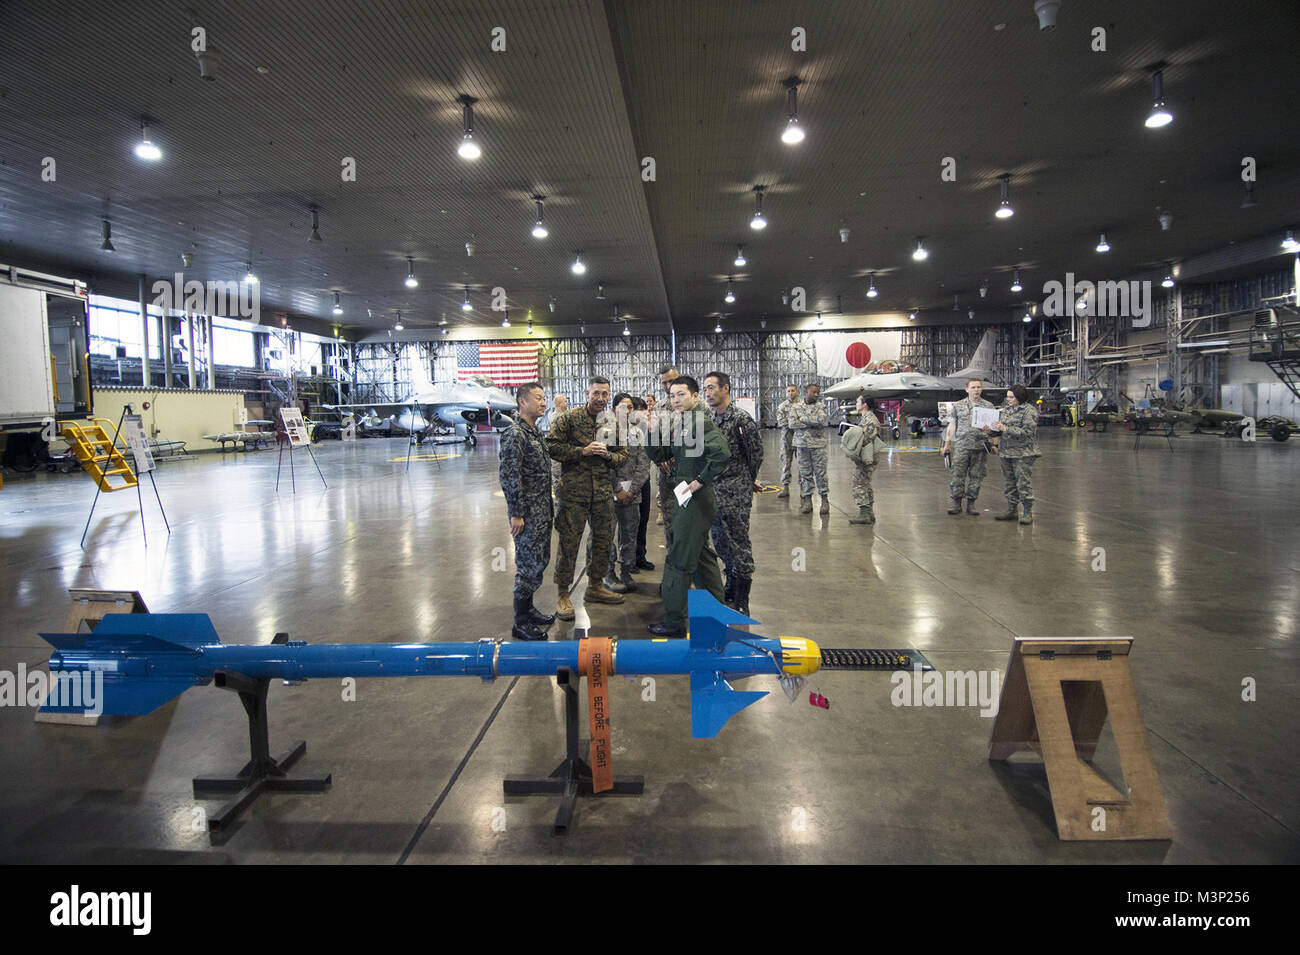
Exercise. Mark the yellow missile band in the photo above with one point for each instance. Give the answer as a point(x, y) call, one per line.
point(800, 655)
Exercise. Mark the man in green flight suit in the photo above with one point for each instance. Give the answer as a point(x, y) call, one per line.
point(700, 454)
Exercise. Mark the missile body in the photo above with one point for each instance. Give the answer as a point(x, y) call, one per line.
point(148, 659)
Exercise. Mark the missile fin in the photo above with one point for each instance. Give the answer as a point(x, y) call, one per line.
point(120, 696)
point(713, 702)
point(188, 630)
point(709, 620)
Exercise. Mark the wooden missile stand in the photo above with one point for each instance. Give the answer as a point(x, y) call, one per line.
point(572, 778)
point(1055, 699)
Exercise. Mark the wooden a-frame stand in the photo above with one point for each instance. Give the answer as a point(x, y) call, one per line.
point(1056, 696)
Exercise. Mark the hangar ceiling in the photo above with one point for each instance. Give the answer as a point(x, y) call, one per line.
point(582, 94)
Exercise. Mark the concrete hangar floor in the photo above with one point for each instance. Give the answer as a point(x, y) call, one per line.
point(1201, 567)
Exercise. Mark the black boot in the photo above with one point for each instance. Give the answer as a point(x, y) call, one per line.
point(537, 618)
point(524, 629)
point(729, 595)
point(741, 596)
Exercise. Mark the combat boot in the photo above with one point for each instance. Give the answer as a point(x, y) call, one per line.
point(741, 596)
point(729, 593)
point(563, 605)
point(612, 584)
point(785, 491)
point(537, 618)
point(806, 506)
point(1029, 514)
point(971, 509)
point(597, 592)
point(865, 516)
point(826, 505)
point(524, 629)
point(956, 506)
point(629, 585)
point(1010, 514)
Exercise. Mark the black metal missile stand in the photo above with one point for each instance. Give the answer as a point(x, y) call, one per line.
point(572, 778)
point(261, 773)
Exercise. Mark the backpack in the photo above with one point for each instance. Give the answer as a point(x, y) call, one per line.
point(856, 447)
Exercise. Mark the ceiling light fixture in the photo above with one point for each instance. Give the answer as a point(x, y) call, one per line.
point(1027, 318)
point(1289, 243)
point(871, 289)
point(315, 226)
point(530, 326)
point(911, 316)
point(1102, 244)
point(411, 280)
point(820, 320)
point(468, 149)
point(145, 148)
point(919, 253)
point(970, 313)
point(107, 244)
point(758, 222)
point(249, 277)
point(984, 288)
point(338, 306)
point(793, 131)
point(1004, 207)
point(626, 330)
point(1160, 116)
point(1015, 281)
point(505, 319)
point(740, 261)
point(718, 327)
point(1166, 221)
point(600, 293)
point(397, 325)
point(539, 229)
point(1168, 280)
point(844, 233)
point(470, 247)
point(730, 297)
point(578, 268)
point(956, 304)
point(785, 296)
point(465, 306)
point(552, 303)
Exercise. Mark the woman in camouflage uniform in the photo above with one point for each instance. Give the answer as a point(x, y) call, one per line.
point(1018, 426)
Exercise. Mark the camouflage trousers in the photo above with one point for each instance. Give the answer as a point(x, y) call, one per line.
point(667, 504)
point(731, 529)
point(968, 468)
point(787, 455)
point(555, 483)
point(622, 546)
point(812, 468)
point(863, 496)
point(1019, 483)
point(570, 522)
point(532, 554)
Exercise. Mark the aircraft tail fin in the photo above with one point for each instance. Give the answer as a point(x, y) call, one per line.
point(981, 363)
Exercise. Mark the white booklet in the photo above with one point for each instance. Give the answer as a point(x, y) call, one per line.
point(683, 492)
point(984, 417)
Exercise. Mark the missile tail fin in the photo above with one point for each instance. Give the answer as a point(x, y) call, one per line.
point(710, 619)
point(75, 692)
point(713, 702)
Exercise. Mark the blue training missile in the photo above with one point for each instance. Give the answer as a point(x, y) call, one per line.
point(148, 659)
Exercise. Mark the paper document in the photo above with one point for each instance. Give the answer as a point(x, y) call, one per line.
point(625, 486)
point(683, 492)
point(984, 417)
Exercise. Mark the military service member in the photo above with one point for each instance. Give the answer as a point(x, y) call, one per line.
point(863, 496)
point(525, 474)
point(561, 406)
point(971, 459)
point(586, 493)
point(808, 420)
point(734, 488)
point(629, 479)
point(786, 436)
point(667, 501)
point(1019, 447)
point(699, 454)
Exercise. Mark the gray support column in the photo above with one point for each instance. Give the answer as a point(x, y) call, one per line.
point(144, 336)
point(165, 324)
point(189, 340)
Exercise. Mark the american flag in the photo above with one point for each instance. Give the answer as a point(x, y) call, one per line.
point(506, 363)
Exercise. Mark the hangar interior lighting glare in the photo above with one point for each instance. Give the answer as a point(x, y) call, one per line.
point(468, 149)
point(740, 261)
point(250, 278)
point(1289, 243)
point(1160, 115)
point(919, 253)
point(731, 295)
point(1015, 281)
point(338, 306)
point(539, 228)
point(1102, 244)
point(578, 268)
point(465, 306)
point(146, 149)
point(871, 288)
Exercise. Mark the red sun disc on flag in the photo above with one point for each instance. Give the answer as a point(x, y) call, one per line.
point(858, 355)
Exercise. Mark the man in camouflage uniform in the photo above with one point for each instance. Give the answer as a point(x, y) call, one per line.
point(734, 488)
point(1018, 449)
point(808, 420)
point(667, 500)
point(863, 496)
point(786, 436)
point(699, 454)
point(561, 406)
point(577, 440)
point(970, 459)
point(525, 474)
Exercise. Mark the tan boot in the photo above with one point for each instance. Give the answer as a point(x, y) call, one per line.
point(785, 491)
point(826, 506)
point(564, 606)
point(599, 593)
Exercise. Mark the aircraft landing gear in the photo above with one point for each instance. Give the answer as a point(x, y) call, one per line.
point(471, 439)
